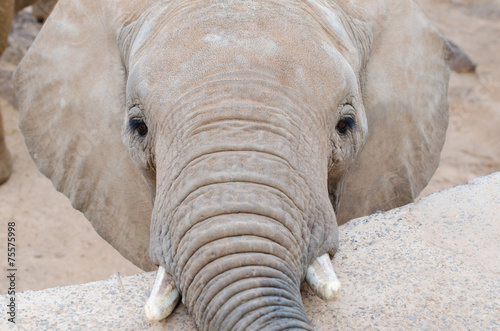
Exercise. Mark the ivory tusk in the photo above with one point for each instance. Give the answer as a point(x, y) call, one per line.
point(164, 297)
point(322, 279)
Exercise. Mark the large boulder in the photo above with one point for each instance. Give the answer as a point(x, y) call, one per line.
point(434, 264)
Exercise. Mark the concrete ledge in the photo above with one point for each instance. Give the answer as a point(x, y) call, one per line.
point(434, 264)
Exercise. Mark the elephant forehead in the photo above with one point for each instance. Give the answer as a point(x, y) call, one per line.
point(222, 39)
point(289, 45)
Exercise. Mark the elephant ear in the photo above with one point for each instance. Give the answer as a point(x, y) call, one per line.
point(405, 98)
point(71, 91)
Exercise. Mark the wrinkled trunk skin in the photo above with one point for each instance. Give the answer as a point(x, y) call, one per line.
point(5, 160)
point(242, 208)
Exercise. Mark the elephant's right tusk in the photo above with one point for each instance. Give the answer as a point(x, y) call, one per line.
point(322, 279)
point(164, 297)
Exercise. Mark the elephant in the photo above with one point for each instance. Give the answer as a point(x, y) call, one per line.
point(8, 8)
point(222, 142)
point(42, 9)
point(5, 158)
point(460, 62)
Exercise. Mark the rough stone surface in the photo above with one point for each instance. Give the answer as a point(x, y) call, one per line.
point(432, 265)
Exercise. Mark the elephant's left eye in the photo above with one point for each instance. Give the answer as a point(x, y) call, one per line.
point(346, 123)
point(138, 125)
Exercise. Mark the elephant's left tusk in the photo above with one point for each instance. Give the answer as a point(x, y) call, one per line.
point(164, 297)
point(322, 279)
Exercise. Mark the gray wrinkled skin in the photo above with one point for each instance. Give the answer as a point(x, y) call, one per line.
point(224, 141)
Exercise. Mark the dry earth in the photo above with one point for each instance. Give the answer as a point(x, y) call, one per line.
point(57, 246)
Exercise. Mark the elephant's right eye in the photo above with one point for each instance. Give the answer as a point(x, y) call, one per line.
point(138, 125)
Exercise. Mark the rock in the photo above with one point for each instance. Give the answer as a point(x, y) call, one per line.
point(434, 264)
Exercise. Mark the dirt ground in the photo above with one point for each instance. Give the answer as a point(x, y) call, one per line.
point(57, 246)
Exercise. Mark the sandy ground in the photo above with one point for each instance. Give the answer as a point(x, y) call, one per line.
point(57, 246)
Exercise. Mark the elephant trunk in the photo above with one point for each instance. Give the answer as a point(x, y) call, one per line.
point(237, 253)
point(239, 277)
point(238, 218)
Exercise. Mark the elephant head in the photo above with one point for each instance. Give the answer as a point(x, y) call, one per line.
point(224, 140)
